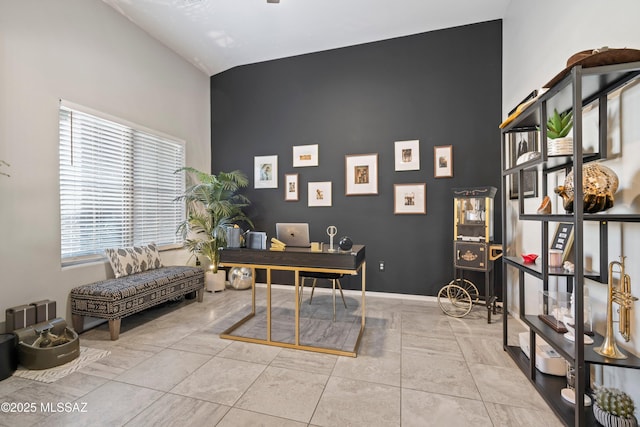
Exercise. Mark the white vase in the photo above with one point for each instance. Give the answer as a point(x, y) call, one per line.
point(215, 282)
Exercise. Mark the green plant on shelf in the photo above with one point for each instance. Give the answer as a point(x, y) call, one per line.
point(559, 125)
point(615, 402)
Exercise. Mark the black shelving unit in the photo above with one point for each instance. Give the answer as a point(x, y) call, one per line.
point(580, 88)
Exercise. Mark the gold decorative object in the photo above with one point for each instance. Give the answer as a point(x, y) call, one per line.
point(599, 184)
point(621, 295)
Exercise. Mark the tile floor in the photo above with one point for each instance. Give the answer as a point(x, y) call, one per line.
point(415, 367)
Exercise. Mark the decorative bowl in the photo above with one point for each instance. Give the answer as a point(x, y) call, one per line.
point(529, 258)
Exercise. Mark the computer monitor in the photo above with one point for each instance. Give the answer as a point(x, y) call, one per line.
point(294, 234)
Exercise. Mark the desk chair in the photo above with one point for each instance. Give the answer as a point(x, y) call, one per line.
point(334, 277)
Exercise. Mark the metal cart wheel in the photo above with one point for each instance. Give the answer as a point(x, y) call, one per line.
point(457, 298)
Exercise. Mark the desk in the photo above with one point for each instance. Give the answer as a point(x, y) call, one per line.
point(295, 259)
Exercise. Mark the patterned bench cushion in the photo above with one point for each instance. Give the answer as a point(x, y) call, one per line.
point(118, 298)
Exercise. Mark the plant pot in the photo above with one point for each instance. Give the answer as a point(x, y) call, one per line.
point(610, 420)
point(215, 282)
point(560, 146)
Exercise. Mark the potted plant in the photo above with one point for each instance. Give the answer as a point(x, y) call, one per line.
point(213, 204)
point(613, 407)
point(558, 128)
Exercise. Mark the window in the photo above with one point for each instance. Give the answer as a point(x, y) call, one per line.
point(117, 184)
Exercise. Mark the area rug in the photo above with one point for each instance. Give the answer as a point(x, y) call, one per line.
point(87, 356)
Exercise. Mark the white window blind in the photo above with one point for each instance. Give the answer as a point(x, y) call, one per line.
point(117, 185)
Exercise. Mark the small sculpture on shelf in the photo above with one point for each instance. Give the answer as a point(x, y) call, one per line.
point(599, 184)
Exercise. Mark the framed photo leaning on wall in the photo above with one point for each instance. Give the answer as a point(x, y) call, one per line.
point(521, 143)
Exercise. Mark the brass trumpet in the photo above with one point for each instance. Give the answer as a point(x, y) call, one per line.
point(621, 295)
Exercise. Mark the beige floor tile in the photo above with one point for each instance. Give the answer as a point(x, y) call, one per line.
point(382, 368)
point(306, 361)
point(505, 415)
point(484, 351)
point(241, 418)
point(112, 404)
point(284, 393)
point(179, 411)
point(164, 370)
point(423, 409)
point(250, 352)
point(506, 386)
point(437, 374)
point(347, 402)
point(220, 380)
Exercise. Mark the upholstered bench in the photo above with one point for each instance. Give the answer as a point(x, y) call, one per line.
point(113, 299)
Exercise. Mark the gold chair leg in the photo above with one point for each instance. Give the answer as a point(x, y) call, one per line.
point(301, 290)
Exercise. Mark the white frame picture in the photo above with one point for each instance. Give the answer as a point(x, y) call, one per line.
point(319, 194)
point(305, 155)
point(265, 171)
point(361, 174)
point(291, 189)
point(410, 199)
point(407, 155)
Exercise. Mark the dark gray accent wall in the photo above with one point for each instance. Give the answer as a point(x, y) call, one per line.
point(441, 87)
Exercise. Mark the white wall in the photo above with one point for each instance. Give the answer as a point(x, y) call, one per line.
point(81, 51)
point(538, 38)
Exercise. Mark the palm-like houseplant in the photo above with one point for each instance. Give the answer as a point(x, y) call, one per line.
point(213, 204)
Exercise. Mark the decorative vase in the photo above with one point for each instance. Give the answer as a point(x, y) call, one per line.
point(240, 278)
point(215, 282)
point(609, 420)
point(599, 184)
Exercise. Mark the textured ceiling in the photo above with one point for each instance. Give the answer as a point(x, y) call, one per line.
point(216, 35)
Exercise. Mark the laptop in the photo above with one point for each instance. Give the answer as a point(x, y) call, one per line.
point(294, 234)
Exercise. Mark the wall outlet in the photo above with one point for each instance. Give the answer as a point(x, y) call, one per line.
point(381, 265)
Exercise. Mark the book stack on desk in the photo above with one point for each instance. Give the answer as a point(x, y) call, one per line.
point(277, 245)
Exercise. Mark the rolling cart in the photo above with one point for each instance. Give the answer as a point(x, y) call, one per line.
point(473, 250)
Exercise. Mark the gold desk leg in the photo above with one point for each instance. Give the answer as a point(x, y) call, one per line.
point(364, 285)
point(297, 286)
point(269, 304)
point(253, 291)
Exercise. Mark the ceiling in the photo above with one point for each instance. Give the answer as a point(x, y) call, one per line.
point(216, 35)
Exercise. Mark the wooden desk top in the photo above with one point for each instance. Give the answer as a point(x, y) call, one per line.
point(296, 257)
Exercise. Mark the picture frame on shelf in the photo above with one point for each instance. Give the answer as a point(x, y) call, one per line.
point(563, 239)
point(410, 199)
point(305, 156)
point(407, 155)
point(443, 161)
point(265, 171)
point(291, 190)
point(361, 174)
point(519, 144)
point(319, 194)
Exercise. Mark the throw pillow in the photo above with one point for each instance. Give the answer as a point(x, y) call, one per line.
point(135, 259)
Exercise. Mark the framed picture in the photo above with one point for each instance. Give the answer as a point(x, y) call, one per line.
point(519, 144)
point(410, 199)
point(319, 194)
point(305, 155)
point(291, 187)
point(265, 172)
point(407, 154)
point(361, 174)
point(443, 161)
point(563, 239)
